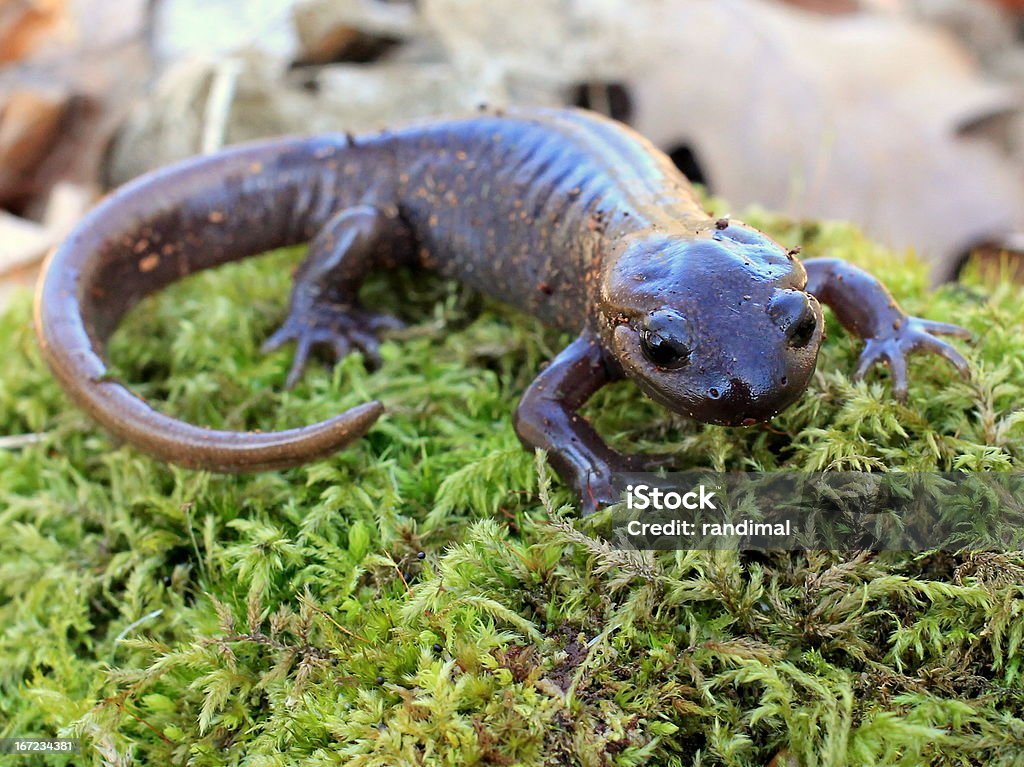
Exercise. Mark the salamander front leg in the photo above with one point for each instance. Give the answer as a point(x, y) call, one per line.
point(866, 309)
point(548, 418)
point(325, 311)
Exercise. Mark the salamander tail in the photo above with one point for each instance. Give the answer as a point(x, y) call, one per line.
point(149, 234)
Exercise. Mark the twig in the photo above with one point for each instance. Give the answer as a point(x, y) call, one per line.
point(218, 105)
point(18, 441)
point(398, 570)
point(306, 601)
point(139, 622)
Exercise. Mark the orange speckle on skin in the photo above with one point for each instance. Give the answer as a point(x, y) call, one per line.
point(149, 263)
point(216, 216)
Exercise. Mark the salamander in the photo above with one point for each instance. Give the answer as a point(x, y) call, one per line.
point(565, 214)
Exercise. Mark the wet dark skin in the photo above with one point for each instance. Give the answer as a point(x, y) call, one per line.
point(564, 214)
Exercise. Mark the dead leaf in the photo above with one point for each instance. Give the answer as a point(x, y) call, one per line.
point(351, 30)
point(59, 107)
point(854, 116)
point(213, 29)
point(827, 6)
point(850, 117)
point(1013, 5)
point(29, 125)
point(24, 241)
point(24, 24)
point(266, 102)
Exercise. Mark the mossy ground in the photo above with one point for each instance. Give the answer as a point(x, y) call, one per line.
point(170, 617)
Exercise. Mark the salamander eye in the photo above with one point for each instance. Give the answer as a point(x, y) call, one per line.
point(663, 351)
point(803, 331)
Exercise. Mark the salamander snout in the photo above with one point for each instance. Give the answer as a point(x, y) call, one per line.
point(796, 313)
point(720, 365)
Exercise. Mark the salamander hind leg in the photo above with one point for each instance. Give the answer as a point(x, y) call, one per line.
point(325, 313)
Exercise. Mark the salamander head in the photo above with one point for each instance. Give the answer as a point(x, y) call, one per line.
point(715, 326)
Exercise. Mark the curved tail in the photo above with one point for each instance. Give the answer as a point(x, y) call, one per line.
point(162, 227)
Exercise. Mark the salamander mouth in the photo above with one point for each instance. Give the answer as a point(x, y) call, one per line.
point(737, 408)
point(724, 400)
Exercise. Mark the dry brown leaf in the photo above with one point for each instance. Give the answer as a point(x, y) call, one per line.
point(1013, 5)
point(25, 24)
point(24, 243)
point(58, 109)
point(332, 30)
point(29, 129)
point(854, 117)
point(264, 102)
point(827, 6)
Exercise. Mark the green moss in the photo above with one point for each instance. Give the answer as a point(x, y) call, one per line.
point(174, 617)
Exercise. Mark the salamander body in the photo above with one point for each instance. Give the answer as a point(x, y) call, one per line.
point(569, 216)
